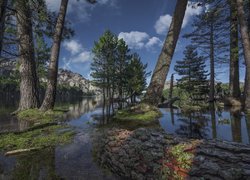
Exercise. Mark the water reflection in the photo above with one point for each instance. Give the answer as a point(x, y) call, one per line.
point(77, 109)
point(71, 161)
point(217, 123)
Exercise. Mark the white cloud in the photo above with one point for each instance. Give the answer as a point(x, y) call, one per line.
point(78, 54)
point(163, 23)
point(139, 40)
point(192, 10)
point(134, 39)
point(154, 41)
point(81, 9)
point(82, 57)
point(73, 46)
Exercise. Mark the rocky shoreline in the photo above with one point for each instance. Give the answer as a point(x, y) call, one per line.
point(153, 154)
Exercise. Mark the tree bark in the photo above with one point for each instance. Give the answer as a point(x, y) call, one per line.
point(29, 96)
point(3, 5)
point(234, 82)
point(171, 87)
point(211, 93)
point(246, 49)
point(153, 154)
point(154, 92)
point(50, 94)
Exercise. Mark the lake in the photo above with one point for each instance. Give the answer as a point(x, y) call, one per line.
point(76, 160)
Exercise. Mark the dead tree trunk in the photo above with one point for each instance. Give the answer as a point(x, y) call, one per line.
point(29, 97)
point(50, 94)
point(154, 92)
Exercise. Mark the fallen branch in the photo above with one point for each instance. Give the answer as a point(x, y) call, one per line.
point(19, 151)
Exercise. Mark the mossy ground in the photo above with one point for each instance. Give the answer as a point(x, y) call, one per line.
point(36, 116)
point(141, 113)
point(39, 138)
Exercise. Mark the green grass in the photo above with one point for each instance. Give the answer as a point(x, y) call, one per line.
point(39, 138)
point(36, 116)
point(141, 112)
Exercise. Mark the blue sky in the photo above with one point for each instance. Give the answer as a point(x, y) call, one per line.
point(143, 24)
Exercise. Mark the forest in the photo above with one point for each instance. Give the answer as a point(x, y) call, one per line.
point(131, 118)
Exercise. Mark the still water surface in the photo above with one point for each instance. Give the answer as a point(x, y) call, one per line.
point(76, 161)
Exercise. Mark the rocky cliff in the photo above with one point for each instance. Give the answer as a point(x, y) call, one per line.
point(66, 78)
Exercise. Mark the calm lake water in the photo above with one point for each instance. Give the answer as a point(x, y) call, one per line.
point(76, 161)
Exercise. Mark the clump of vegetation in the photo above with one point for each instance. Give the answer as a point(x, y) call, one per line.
point(140, 113)
point(178, 161)
point(39, 138)
point(36, 116)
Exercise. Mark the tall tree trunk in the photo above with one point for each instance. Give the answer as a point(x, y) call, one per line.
point(171, 87)
point(211, 92)
point(245, 84)
point(154, 92)
point(29, 96)
point(50, 94)
point(234, 84)
point(246, 48)
point(3, 5)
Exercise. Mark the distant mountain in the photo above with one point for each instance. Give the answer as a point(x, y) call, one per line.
point(65, 77)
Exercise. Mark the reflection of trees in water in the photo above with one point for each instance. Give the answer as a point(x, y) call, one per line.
point(84, 106)
point(104, 117)
point(193, 125)
point(247, 118)
point(235, 117)
point(172, 115)
point(213, 119)
point(39, 165)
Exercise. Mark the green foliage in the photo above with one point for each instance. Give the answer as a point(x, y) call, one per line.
point(136, 75)
point(39, 138)
point(193, 79)
point(115, 70)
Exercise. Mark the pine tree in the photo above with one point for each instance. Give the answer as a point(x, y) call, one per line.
point(103, 65)
point(193, 75)
point(136, 77)
point(209, 37)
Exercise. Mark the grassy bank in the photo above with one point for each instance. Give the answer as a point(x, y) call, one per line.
point(43, 131)
point(137, 116)
point(36, 116)
point(38, 138)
